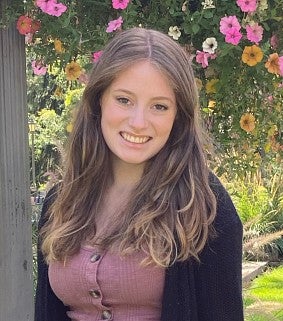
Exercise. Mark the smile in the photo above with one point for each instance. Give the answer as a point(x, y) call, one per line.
point(135, 139)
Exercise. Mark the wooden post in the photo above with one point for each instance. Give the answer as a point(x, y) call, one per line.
point(16, 285)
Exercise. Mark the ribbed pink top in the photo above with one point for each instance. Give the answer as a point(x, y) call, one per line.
point(104, 286)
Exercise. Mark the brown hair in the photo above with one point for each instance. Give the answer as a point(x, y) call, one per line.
point(171, 209)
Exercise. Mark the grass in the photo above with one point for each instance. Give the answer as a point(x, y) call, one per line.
point(264, 297)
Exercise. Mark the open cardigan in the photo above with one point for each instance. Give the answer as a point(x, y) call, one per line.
point(209, 290)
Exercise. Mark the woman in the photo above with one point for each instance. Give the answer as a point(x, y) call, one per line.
point(139, 229)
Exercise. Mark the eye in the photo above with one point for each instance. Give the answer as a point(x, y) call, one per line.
point(160, 107)
point(123, 100)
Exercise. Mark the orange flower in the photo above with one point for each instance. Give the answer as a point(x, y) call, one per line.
point(247, 122)
point(272, 64)
point(252, 55)
point(58, 46)
point(211, 104)
point(73, 70)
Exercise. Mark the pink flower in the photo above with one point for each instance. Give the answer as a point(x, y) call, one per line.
point(247, 5)
point(55, 9)
point(38, 68)
point(254, 32)
point(42, 4)
point(96, 55)
point(226, 23)
point(280, 61)
point(120, 4)
point(233, 36)
point(274, 42)
point(114, 24)
point(28, 38)
point(51, 7)
point(202, 58)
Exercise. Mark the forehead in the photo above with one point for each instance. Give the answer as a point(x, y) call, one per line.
point(143, 75)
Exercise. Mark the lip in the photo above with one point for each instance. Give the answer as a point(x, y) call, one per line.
point(135, 139)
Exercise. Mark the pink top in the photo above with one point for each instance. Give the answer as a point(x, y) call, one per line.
point(104, 286)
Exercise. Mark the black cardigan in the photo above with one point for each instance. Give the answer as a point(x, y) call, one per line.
point(207, 291)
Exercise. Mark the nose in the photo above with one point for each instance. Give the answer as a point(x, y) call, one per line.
point(138, 118)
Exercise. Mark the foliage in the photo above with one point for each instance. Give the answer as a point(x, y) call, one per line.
point(259, 202)
point(238, 66)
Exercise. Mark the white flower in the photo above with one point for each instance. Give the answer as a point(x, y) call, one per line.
point(174, 32)
point(208, 4)
point(209, 45)
point(262, 5)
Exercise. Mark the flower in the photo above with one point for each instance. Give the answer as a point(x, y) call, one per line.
point(202, 58)
point(226, 23)
point(114, 24)
point(211, 104)
point(208, 4)
point(262, 5)
point(73, 70)
point(209, 45)
point(274, 42)
point(42, 4)
point(252, 55)
point(174, 32)
point(120, 4)
point(247, 122)
point(233, 36)
point(55, 9)
point(58, 46)
point(272, 64)
point(211, 85)
point(35, 26)
point(254, 32)
point(24, 25)
point(247, 5)
point(184, 6)
point(51, 7)
point(281, 65)
point(96, 55)
point(38, 68)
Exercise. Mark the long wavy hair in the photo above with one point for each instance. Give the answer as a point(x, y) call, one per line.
point(170, 212)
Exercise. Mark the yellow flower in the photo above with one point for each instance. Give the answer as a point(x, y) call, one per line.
point(69, 127)
point(210, 86)
point(272, 131)
point(272, 64)
point(73, 70)
point(211, 104)
point(252, 55)
point(247, 122)
point(198, 84)
point(58, 46)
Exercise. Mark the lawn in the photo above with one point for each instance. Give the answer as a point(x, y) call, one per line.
point(263, 298)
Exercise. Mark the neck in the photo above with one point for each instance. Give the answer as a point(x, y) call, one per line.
point(125, 175)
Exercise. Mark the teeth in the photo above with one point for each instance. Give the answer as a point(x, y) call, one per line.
point(134, 139)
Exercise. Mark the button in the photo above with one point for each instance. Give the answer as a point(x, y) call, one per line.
point(95, 294)
point(106, 315)
point(95, 257)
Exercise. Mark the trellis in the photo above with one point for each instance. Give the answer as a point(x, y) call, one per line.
point(16, 285)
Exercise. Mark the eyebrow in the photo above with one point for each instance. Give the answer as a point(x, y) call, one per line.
point(154, 98)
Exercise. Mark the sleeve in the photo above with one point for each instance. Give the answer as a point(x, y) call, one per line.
point(218, 276)
point(47, 306)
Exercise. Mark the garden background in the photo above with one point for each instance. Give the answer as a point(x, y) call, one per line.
point(236, 48)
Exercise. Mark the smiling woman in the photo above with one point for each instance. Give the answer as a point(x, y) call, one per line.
point(139, 229)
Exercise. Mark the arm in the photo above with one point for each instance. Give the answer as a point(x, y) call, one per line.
point(47, 306)
point(218, 278)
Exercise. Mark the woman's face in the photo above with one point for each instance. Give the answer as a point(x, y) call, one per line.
point(138, 111)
